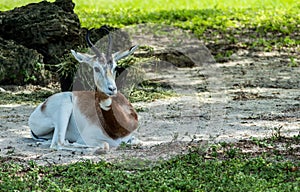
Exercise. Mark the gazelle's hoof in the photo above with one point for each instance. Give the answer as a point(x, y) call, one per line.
point(103, 149)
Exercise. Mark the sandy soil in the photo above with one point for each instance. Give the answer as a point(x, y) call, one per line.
point(252, 95)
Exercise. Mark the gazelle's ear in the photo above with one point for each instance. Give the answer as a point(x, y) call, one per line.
point(82, 57)
point(121, 54)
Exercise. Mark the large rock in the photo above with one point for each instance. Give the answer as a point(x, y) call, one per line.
point(49, 28)
point(52, 29)
point(20, 65)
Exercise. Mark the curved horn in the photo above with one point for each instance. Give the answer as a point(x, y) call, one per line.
point(109, 45)
point(91, 45)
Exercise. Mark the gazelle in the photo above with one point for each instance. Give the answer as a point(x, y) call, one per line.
point(102, 118)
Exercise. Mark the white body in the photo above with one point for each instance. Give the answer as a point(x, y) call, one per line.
point(101, 118)
point(63, 118)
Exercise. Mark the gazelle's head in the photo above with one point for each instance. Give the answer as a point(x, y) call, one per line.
point(104, 65)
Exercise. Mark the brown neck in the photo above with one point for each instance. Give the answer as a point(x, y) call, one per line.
point(120, 120)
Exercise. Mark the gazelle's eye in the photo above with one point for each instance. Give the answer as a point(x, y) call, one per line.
point(97, 70)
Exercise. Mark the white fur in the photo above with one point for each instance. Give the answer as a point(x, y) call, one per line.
point(60, 120)
point(105, 104)
point(68, 128)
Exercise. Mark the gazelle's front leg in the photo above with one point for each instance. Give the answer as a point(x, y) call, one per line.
point(61, 120)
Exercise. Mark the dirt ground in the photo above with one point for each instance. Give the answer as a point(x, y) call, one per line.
point(253, 94)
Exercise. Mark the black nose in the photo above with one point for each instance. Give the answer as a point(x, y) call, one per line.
point(111, 88)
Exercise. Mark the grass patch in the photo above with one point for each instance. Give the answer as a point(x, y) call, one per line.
point(156, 5)
point(148, 91)
point(34, 97)
point(228, 171)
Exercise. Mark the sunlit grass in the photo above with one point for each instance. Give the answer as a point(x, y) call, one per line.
point(10, 4)
point(193, 14)
point(158, 5)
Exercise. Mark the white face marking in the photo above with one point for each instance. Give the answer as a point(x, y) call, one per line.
point(106, 104)
point(104, 77)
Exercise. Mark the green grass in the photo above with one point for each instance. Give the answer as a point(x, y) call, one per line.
point(191, 172)
point(33, 98)
point(158, 5)
point(265, 25)
point(150, 91)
